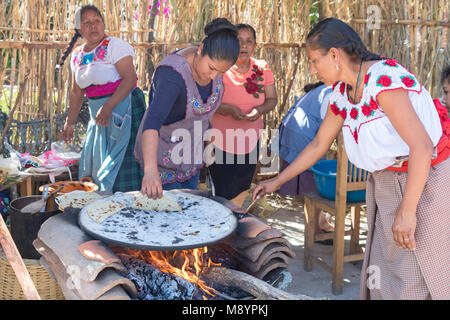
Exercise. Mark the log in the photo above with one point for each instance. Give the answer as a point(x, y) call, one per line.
point(258, 288)
point(17, 264)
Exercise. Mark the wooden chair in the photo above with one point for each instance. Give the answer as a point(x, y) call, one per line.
point(356, 180)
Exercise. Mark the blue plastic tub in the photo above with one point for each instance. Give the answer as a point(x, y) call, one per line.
point(325, 178)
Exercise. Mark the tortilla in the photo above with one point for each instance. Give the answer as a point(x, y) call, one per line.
point(77, 199)
point(164, 204)
point(102, 209)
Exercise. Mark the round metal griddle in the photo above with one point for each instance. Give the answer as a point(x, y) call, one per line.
point(202, 222)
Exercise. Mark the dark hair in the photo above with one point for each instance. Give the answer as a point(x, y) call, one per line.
point(221, 42)
point(77, 34)
point(445, 74)
point(310, 86)
point(92, 8)
point(246, 26)
point(334, 33)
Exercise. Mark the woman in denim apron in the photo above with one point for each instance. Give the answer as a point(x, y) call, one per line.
point(103, 70)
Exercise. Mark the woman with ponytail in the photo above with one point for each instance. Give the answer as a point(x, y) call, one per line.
point(103, 70)
point(392, 129)
point(186, 90)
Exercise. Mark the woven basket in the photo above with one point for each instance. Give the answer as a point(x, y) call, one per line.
point(10, 289)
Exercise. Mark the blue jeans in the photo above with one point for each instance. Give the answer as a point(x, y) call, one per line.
point(188, 184)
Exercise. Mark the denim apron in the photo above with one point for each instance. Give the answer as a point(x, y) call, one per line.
point(105, 147)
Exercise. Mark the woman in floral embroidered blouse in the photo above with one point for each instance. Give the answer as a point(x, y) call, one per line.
point(103, 70)
point(249, 93)
point(391, 128)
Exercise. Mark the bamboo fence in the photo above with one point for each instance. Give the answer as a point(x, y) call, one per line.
point(34, 33)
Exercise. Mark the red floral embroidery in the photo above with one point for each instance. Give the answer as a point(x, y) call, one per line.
point(334, 85)
point(251, 86)
point(408, 81)
point(366, 78)
point(354, 113)
point(384, 81)
point(343, 113)
point(366, 110)
point(391, 63)
point(373, 104)
point(355, 135)
point(342, 88)
point(334, 108)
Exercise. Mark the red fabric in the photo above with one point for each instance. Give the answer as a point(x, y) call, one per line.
point(443, 146)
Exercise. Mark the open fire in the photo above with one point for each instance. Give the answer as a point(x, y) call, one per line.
point(186, 264)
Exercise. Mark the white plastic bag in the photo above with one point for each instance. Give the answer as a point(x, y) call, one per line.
point(64, 151)
point(10, 165)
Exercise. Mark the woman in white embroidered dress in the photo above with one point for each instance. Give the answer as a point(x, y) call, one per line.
point(386, 117)
point(103, 70)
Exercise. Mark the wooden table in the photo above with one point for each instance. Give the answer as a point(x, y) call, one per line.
point(24, 187)
point(29, 185)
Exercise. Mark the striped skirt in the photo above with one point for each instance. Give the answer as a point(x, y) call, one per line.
point(390, 272)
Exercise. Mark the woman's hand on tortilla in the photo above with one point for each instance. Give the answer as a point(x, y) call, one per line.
point(151, 185)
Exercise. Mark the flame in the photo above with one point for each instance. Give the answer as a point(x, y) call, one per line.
point(163, 260)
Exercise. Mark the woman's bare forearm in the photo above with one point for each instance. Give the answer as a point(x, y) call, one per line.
point(122, 91)
point(267, 106)
point(75, 102)
point(150, 150)
point(305, 160)
point(315, 150)
point(225, 109)
point(418, 170)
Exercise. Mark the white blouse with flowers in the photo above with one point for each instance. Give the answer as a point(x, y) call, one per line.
point(96, 67)
point(370, 139)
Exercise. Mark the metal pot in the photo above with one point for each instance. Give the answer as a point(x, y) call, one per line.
point(25, 226)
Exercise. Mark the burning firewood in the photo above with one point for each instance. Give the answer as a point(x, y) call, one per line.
point(256, 287)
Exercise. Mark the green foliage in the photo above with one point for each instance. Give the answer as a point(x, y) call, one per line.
point(314, 13)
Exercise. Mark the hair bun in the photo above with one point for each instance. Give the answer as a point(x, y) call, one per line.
point(219, 24)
